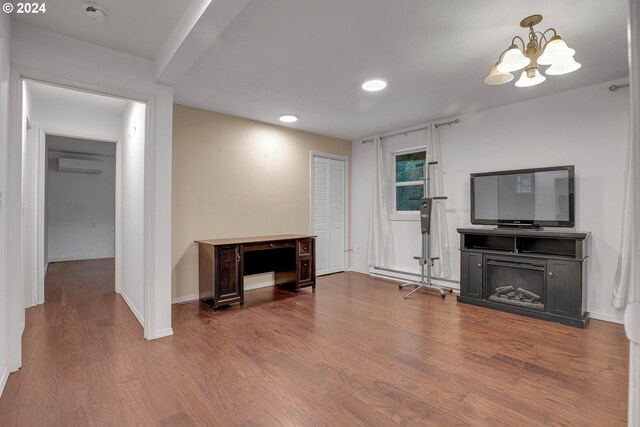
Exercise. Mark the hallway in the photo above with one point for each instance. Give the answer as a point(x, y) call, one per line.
point(83, 332)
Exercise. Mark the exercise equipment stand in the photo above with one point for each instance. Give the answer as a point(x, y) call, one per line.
point(425, 260)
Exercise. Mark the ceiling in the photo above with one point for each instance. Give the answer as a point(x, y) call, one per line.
point(66, 144)
point(309, 57)
point(137, 27)
point(49, 94)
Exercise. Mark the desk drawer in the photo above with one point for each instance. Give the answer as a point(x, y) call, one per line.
point(305, 271)
point(304, 247)
point(259, 246)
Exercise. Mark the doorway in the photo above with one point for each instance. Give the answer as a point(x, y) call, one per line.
point(86, 151)
point(329, 211)
point(80, 218)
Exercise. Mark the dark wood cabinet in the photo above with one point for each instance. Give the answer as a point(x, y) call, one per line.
point(541, 274)
point(229, 275)
point(471, 274)
point(306, 266)
point(564, 288)
point(223, 263)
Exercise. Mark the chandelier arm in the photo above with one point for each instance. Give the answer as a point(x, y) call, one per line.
point(502, 54)
point(543, 36)
point(513, 41)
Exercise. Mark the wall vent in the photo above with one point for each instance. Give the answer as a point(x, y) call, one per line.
point(79, 165)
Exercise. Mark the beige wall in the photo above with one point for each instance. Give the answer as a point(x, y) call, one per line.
point(235, 177)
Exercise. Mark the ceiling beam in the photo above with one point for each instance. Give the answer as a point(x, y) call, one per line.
point(199, 27)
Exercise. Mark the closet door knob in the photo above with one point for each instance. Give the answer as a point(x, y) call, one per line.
point(551, 274)
point(479, 265)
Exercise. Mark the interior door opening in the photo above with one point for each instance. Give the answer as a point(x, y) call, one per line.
point(83, 196)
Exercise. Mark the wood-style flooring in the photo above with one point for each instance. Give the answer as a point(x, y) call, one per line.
point(352, 353)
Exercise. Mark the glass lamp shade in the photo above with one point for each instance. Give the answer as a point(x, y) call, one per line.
point(513, 60)
point(563, 67)
point(495, 77)
point(526, 81)
point(555, 51)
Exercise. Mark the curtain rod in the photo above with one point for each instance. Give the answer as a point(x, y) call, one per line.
point(449, 123)
point(613, 88)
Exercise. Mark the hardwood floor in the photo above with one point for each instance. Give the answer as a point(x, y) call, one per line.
point(353, 353)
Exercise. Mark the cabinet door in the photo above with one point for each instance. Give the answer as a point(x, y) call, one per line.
point(471, 276)
point(229, 283)
point(564, 288)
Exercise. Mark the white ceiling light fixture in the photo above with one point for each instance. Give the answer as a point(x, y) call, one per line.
point(538, 51)
point(288, 118)
point(374, 85)
point(95, 12)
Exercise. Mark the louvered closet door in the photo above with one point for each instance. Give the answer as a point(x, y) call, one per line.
point(329, 214)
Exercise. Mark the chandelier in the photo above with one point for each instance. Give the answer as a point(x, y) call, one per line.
point(538, 51)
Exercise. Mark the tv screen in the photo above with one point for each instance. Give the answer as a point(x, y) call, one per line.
point(535, 197)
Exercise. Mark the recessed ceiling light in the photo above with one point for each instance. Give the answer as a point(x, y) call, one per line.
point(374, 85)
point(288, 118)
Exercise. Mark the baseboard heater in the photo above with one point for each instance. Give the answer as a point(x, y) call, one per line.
point(407, 273)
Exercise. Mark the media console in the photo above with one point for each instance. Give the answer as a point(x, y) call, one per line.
point(540, 274)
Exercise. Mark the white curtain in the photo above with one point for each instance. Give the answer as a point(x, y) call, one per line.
point(626, 288)
point(439, 229)
point(380, 245)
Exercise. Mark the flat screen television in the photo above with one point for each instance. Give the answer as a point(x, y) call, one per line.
point(542, 197)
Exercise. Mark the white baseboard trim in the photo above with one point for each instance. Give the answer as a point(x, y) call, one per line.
point(3, 379)
point(260, 280)
point(247, 287)
point(163, 333)
point(22, 328)
point(132, 308)
point(607, 318)
point(186, 298)
point(80, 258)
point(258, 286)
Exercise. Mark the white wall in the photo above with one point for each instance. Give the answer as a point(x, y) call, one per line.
point(81, 210)
point(132, 181)
point(29, 198)
point(5, 73)
point(37, 53)
point(587, 127)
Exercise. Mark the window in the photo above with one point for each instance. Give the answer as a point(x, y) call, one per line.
point(408, 180)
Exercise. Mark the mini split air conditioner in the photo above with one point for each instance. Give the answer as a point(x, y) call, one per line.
point(79, 165)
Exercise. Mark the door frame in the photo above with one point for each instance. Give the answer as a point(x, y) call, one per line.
point(41, 206)
point(347, 217)
point(15, 298)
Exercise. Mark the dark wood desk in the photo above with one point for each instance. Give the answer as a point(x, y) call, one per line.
point(223, 263)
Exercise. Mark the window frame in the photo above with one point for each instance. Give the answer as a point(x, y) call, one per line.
point(404, 215)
